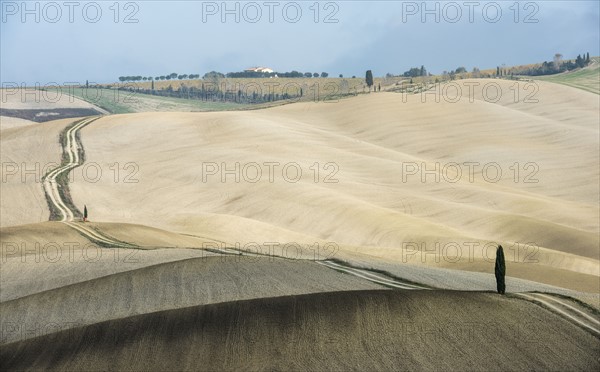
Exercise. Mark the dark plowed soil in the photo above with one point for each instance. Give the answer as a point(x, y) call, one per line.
point(357, 330)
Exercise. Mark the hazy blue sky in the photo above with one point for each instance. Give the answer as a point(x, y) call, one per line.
point(191, 37)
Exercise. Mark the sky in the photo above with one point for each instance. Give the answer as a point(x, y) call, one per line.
point(75, 41)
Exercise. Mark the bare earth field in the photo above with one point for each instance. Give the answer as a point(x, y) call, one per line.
point(350, 235)
point(368, 146)
point(381, 330)
point(7, 122)
point(32, 148)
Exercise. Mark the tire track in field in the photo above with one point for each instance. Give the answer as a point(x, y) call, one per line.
point(372, 276)
point(558, 305)
point(565, 310)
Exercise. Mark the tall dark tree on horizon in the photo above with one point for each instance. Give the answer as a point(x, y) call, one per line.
point(369, 78)
point(85, 213)
point(500, 270)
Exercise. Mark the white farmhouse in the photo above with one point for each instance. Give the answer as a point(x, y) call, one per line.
point(260, 69)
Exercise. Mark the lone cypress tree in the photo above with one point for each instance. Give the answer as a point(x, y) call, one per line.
point(369, 79)
point(500, 270)
point(85, 212)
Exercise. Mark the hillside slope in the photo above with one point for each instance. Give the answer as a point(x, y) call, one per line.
point(372, 153)
point(358, 330)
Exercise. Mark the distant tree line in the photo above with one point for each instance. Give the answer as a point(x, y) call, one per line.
point(415, 71)
point(451, 75)
point(212, 90)
point(215, 74)
point(556, 66)
point(212, 75)
point(171, 76)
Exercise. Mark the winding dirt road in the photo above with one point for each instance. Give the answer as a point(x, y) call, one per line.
point(51, 187)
